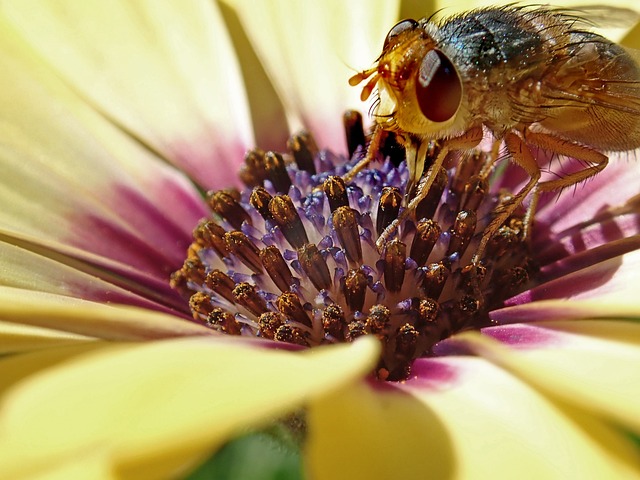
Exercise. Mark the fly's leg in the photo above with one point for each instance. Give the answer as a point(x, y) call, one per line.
point(596, 160)
point(521, 155)
point(370, 155)
point(466, 141)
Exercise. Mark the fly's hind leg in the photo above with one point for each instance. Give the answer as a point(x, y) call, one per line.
point(596, 160)
point(521, 155)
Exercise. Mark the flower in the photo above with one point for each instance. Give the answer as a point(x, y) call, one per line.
point(102, 144)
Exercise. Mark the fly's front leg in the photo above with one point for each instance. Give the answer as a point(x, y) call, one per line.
point(372, 150)
point(466, 141)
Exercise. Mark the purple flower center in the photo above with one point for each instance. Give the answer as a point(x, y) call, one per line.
point(293, 257)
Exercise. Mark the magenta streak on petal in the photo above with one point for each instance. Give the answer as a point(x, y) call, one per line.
point(142, 236)
point(607, 227)
point(210, 165)
point(588, 258)
point(523, 336)
point(426, 374)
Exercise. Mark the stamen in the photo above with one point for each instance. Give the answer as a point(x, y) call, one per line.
point(395, 256)
point(336, 192)
point(388, 208)
point(286, 217)
point(346, 226)
point(354, 131)
point(355, 286)
point(304, 150)
point(277, 172)
point(314, 266)
point(276, 267)
point(228, 208)
point(243, 248)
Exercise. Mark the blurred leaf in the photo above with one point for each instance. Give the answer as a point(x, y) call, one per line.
point(255, 456)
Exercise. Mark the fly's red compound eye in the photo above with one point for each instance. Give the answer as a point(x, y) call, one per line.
point(398, 28)
point(438, 87)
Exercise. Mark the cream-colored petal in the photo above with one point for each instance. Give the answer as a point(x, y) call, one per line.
point(73, 180)
point(166, 71)
point(52, 272)
point(16, 338)
point(94, 319)
point(588, 364)
point(310, 49)
point(482, 423)
point(154, 407)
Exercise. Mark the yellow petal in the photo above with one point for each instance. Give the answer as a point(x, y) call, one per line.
point(164, 70)
point(480, 423)
point(90, 465)
point(310, 49)
point(94, 319)
point(157, 406)
point(20, 338)
point(588, 364)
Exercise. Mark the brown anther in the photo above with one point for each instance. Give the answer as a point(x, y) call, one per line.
point(259, 200)
point(345, 225)
point(194, 269)
point(428, 310)
point(276, 267)
point(427, 234)
point(355, 329)
point(253, 172)
point(244, 249)
point(289, 305)
point(355, 289)
point(200, 305)
point(246, 295)
point(395, 256)
point(223, 320)
point(474, 192)
point(286, 217)
point(290, 334)
point(336, 192)
point(277, 172)
point(428, 206)
point(378, 319)
point(179, 281)
point(269, 323)
point(471, 276)
point(211, 235)
point(222, 284)
point(388, 208)
point(462, 231)
point(406, 341)
point(314, 266)
point(435, 276)
point(304, 149)
point(227, 207)
point(503, 240)
point(354, 130)
point(469, 304)
point(333, 321)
